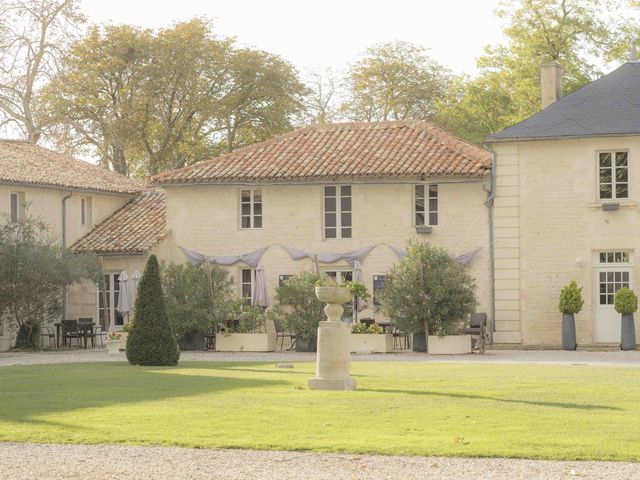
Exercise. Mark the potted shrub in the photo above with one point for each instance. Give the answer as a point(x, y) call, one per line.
point(249, 333)
point(429, 294)
point(626, 303)
point(570, 304)
point(299, 309)
point(370, 339)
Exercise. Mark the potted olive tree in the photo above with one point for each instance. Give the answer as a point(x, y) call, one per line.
point(570, 304)
point(626, 303)
point(429, 294)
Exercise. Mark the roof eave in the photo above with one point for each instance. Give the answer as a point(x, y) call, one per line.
point(491, 140)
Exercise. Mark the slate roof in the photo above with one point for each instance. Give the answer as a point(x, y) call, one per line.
point(607, 106)
point(372, 149)
point(133, 229)
point(26, 163)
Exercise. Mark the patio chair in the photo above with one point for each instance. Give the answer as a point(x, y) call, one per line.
point(401, 340)
point(282, 333)
point(48, 332)
point(70, 331)
point(93, 334)
point(478, 330)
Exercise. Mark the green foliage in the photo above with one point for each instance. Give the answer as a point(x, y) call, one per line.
point(297, 307)
point(34, 272)
point(374, 328)
point(428, 286)
point(626, 301)
point(250, 319)
point(358, 290)
point(571, 298)
point(151, 340)
point(574, 33)
point(195, 305)
point(146, 101)
point(394, 81)
point(28, 337)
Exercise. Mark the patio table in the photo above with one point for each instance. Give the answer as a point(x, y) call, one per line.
point(85, 328)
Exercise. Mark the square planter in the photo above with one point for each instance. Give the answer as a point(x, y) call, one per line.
point(371, 342)
point(449, 345)
point(5, 343)
point(246, 342)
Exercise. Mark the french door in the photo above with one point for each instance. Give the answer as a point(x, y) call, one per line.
point(613, 272)
point(108, 301)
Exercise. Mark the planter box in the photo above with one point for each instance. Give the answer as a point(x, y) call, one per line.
point(5, 344)
point(246, 342)
point(449, 345)
point(115, 346)
point(371, 342)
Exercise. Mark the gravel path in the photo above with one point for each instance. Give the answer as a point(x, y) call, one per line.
point(613, 358)
point(98, 462)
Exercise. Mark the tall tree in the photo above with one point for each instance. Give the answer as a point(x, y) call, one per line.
point(575, 33)
point(33, 33)
point(394, 81)
point(321, 103)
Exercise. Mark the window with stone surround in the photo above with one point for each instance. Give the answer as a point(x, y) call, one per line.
point(337, 211)
point(247, 284)
point(17, 206)
point(613, 175)
point(425, 211)
point(251, 208)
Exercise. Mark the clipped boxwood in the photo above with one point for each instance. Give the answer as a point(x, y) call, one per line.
point(626, 302)
point(571, 298)
point(151, 340)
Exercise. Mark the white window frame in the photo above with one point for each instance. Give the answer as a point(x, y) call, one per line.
point(19, 213)
point(614, 168)
point(112, 285)
point(339, 212)
point(426, 211)
point(251, 284)
point(86, 214)
point(252, 215)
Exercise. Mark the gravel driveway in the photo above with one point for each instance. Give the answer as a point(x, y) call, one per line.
point(103, 462)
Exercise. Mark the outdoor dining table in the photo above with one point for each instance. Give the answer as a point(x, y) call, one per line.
point(84, 328)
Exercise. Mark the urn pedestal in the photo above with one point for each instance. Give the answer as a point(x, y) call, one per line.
point(334, 336)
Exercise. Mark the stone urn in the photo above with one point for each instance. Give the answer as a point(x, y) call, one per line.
point(332, 361)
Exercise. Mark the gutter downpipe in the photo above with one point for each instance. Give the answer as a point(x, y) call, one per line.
point(64, 244)
point(489, 203)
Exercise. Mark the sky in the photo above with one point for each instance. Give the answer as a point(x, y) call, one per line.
point(327, 33)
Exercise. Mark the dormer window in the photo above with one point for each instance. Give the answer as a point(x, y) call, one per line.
point(613, 179)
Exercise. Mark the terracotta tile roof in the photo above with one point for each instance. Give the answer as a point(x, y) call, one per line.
point(376, 149)
point(133, 229)
point(29, 164)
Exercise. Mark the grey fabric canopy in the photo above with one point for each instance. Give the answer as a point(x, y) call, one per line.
point(124, 299)
point(252, 258)
point(350, 257)
point(465, 259)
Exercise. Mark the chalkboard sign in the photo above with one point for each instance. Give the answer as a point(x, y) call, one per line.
point(379, 285)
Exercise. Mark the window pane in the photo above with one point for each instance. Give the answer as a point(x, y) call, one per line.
point(603, 276)
point(246, 209)
point(345, 204)
point(246, 275)
point(419, 191)
point(257, 209)
point(605, 159)
point(329, 219)
point(605, 191)
point(433, 219)
point(246, 222)
point(345, 220)
point(257, 196)
point(257, 222)
point(618, 257)
point(330, 232)
point(330, 191)
point(433, 191)
point(246, 196)
point(433, 204)
point(625, 257)
point(347, 276)
point(609, 259)
point(345, 191)
point(419, 204)
point(622, 190)
point(330, 204)
point(622, 175)
point(345, 233)
point(621, 159)
point(14, 207)
point(419, 219)
point(603, 299)
point(605, 175)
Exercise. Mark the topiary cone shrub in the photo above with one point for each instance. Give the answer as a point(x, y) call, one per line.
point(151, 340)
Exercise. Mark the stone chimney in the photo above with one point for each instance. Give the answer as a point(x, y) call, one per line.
point(550, 83)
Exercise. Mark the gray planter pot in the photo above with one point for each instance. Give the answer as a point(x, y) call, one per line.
point(419, 342)
point(568, 331)
point(628, 332)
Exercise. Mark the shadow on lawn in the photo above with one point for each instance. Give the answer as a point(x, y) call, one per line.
point(31, 391)
point(575, 406)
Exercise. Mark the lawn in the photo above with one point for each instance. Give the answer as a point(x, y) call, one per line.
point(532, 411)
